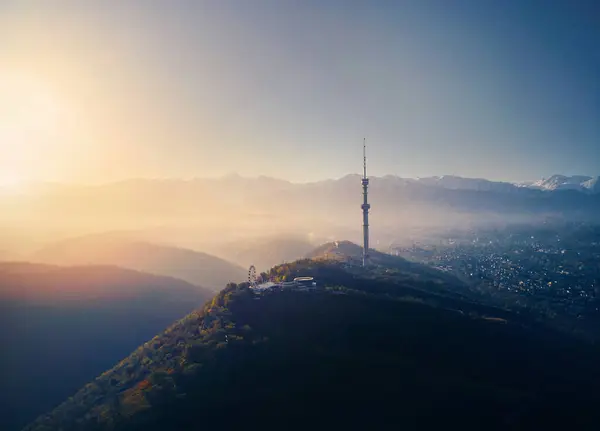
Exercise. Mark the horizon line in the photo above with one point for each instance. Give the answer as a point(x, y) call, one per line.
point(248, 177)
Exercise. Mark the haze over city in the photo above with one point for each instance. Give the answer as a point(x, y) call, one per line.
point(103, 91)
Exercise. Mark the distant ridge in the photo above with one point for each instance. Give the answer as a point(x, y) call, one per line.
point(194, 267)
point(258, 206)
point(40, 283)
point(233, 181)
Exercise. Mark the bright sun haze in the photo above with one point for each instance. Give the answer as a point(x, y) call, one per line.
point(98, 91)
point(187, 214)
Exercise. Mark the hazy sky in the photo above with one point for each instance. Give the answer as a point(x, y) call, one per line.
point(103, 90)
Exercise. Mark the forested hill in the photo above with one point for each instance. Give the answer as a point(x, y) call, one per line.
point(350, 254)
point(368, 355)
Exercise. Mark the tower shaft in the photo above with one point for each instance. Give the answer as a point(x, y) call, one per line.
point(365, 206)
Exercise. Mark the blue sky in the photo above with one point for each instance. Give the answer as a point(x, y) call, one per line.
point(506, 90)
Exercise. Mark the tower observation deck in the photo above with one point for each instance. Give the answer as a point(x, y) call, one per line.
point(365, 206)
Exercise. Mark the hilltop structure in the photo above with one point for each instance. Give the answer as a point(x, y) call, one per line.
point(365, 206)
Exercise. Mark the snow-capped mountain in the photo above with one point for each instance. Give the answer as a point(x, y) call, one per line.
point(562, 182)
point(593, 185)
point(459, 183)
point(580, 183)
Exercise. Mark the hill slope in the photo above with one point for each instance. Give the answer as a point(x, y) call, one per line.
point(63, 326)
point(194, 267)
point(372, 356)
point(398, 268)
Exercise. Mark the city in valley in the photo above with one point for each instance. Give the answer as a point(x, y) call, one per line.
point(552, 270)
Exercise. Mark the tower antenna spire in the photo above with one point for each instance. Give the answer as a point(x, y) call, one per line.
point(364, 157)
point(365, 206)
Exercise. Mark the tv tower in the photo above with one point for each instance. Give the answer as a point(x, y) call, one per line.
point(365, 206)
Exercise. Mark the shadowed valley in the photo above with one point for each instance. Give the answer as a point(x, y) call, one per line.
point(65, 325)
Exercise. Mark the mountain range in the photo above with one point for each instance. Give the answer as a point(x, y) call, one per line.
point(237, 187)
point(208, 214)
point(579, 183)
point(576, 182)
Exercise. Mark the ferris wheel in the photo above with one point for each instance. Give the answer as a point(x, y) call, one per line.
point(252, 276)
